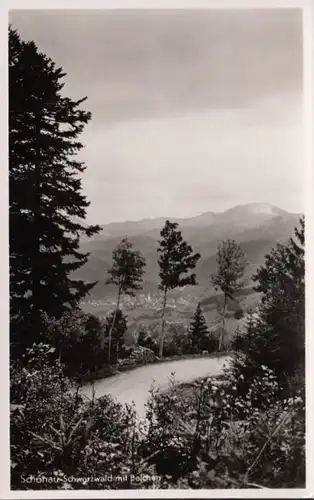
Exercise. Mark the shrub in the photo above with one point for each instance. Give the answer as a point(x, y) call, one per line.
point(79, 341)
point(55, 432)
point(144, 339)
point(239, 313)
point(209, 437)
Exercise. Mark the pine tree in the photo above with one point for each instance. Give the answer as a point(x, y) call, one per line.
point(199, 330)
point(115, 328)
point(126, 273)
point(231, 264)
point(46, 202)
point(278, 332)
point(175, 262)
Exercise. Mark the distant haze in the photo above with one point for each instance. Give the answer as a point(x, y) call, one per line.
point(257, 227)
point(193, 111)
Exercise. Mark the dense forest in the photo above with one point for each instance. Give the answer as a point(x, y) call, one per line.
point(245, 429)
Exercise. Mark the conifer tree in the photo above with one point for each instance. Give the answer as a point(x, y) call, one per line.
point(175, 262)
point(199, 330)
point(126, 273)
point(46, 201)
point(231, 264)
point(278, 331)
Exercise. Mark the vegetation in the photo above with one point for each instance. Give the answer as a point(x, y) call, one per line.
point(58, 434)
point(144, 339)
point(127, 274)
point(276, 337)
point(199, 330)
point(208, 436)
point(204, 436)
point(46, 200)
point(231, 264)
point(175, 261)
point(79, 341)
point(246, 429)
point(115, 328)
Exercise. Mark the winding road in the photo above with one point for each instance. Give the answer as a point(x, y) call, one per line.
point(134, 385)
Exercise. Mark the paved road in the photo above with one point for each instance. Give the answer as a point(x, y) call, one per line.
point(135, 384)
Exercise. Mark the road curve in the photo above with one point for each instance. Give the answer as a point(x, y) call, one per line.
point(133, 386)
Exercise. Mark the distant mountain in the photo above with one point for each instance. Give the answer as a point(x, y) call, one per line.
point(256, 226)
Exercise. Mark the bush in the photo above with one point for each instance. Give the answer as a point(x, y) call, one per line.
point(55, 432)
point(211, 434)
point(144, 339)
point(239, 314)
point(209, 437)
point(79, 340)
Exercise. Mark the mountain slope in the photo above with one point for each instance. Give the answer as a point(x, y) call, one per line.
point(256, 226)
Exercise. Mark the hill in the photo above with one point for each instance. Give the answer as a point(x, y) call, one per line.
point(256, 226)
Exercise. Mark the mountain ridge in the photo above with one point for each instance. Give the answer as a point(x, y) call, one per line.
point(256, 227)
point(245, 214)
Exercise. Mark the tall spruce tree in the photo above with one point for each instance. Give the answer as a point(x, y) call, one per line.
point(46, 200)
point(128, 266)
point(199, 330)
point(175, 262)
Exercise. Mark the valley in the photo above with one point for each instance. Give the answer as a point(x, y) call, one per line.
point(256, 227)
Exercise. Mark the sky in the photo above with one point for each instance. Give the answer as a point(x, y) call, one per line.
point(192, 111)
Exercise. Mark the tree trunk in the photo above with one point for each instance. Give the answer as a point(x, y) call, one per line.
point(112, 325)
point(161, 346)
point(223, 327)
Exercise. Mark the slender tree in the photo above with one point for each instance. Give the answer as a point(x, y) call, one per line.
point(175, 262)
point(116, 333)
point(126, 273)
point(199, 329)
point(231, 264)
point(46, 200)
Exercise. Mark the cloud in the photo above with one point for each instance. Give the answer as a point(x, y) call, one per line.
point(191, 110)
point(145, 63)
point(182, 165)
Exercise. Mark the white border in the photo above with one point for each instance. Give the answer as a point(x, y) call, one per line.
point(308, 19)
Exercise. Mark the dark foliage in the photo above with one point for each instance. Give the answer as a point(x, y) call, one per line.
point(276, 338)
point(199, 330)
point(46, 202)
point(79, 340)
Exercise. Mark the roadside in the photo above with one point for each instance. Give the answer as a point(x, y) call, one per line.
point(133, 387)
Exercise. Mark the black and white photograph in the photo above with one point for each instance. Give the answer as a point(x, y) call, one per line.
point(157, 222)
